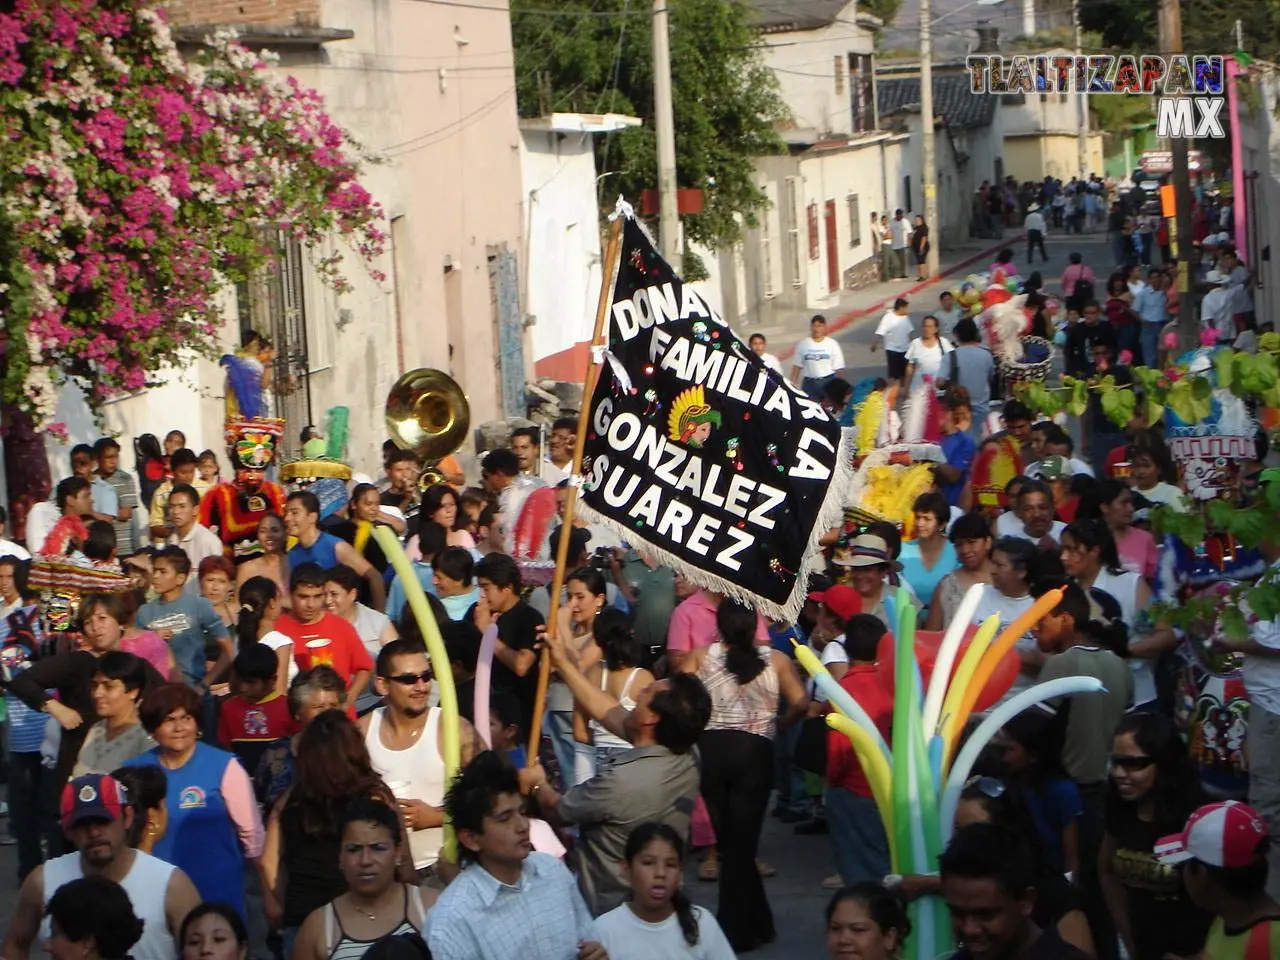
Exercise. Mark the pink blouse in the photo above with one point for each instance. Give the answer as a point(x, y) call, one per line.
point(1138, 552)
point(152, 648)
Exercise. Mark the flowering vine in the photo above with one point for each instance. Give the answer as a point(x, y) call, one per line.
point(135, 186)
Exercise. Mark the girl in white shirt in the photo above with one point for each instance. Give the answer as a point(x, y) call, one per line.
point(659, 922)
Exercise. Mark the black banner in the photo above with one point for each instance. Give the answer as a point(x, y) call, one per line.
point(697, 451)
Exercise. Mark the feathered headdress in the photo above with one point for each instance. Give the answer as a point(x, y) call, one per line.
point(867, 422)
point(533, 526)
point(1006, 323)
point(689, 411)
point(993, 468)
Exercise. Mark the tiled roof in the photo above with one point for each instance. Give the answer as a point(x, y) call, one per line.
point(797, 14)
point(951, 99)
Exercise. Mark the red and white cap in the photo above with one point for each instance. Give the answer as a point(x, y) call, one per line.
point(1223, 834)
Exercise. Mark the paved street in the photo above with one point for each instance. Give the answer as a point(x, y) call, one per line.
point(855, 336)
point(802, 862)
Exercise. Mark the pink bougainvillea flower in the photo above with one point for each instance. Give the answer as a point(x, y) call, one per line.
point(1208, 338)
point(138, 185)
point(1170, 341)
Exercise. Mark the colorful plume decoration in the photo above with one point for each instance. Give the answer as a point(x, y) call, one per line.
point(337, 421)
point(867, 422)
point(533, 526)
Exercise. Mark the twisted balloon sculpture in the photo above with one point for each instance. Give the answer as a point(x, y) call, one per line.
point(916, 785)
point(450, 739)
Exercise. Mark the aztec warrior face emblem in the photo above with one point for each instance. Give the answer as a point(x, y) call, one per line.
point(691, 418)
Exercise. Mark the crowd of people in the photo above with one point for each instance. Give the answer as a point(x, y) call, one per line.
point(253, 726)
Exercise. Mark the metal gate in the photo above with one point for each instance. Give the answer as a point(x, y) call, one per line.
point(504, 286)
point(273, 303)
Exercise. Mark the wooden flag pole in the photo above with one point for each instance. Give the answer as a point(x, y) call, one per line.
point(598, 341)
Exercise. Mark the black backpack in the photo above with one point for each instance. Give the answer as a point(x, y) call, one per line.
point(1082, 293)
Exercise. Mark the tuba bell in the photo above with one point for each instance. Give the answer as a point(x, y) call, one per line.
point(428, 413)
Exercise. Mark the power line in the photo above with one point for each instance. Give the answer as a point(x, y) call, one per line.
point(431, 137)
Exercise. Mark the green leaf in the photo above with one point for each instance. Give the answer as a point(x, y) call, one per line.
point(1147, 377)
point(1233, 624)
point(1155, 411)
point(1118, 406)
point(1269, 342)
point(1223, 362)
point(1271, 485)
point(1077, 399)
point(1220, 513)
point(1252, 525)
point(1264, 600)
point(1190, 400)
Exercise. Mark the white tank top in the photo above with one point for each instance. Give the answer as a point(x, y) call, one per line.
point(599, 735)
point(421, 768)
point(145, 878)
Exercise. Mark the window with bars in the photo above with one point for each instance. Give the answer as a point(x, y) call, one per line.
point(815, 247)
point(855, 220)
point(793, 230)
point(272, 302)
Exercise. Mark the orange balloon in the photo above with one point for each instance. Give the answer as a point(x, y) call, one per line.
point(997, 684)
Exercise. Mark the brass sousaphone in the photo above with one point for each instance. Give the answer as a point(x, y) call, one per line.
point(428, 413)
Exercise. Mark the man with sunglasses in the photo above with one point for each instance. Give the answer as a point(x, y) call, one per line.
point(405, 745)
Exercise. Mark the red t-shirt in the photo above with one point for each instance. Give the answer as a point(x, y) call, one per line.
point(330, 641)
point(867, 688)
point(245, 722)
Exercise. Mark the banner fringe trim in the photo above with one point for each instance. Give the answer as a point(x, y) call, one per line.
point(830, 515)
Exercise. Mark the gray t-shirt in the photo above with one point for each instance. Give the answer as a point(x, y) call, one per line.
point(643, 784)
point(193, 624)
point(971, 367)
point(1091, 726)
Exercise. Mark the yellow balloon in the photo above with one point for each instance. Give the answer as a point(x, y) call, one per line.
point(993, 654)
point(450, 735)
point(874, 766)
point(960, 681)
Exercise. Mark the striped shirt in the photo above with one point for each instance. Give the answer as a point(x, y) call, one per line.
point(752, 708)
point(127, 496)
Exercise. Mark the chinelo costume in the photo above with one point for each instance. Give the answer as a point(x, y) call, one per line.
point(233, 509)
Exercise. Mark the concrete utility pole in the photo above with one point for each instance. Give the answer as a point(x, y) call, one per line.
point(1082, 141)
point(928, 162)
point(665, 130)
point(1170, 23)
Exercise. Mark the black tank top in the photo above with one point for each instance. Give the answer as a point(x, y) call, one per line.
point(311, 865)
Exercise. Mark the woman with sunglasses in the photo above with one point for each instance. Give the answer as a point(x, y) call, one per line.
point(303, 847)
point(1153, 791)
point(1002, 802)
point(1090, 558)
